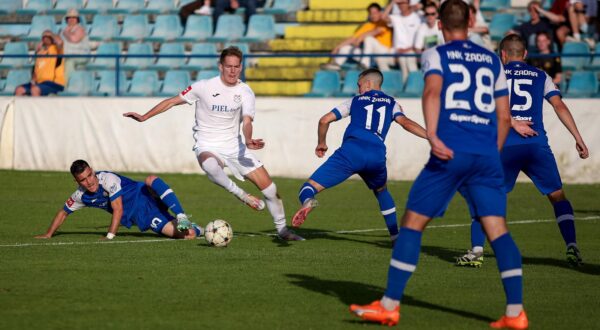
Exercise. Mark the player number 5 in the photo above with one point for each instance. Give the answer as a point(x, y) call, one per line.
point(515, 86)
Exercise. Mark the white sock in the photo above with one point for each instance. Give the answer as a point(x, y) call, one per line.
point(513, 310)
point(275, 206)
point(389, 303)
point(216, 174)
point(477, 249)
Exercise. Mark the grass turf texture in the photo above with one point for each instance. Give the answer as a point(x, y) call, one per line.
point(259, 282)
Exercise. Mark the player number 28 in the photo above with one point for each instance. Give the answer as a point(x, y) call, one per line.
point(481, 88)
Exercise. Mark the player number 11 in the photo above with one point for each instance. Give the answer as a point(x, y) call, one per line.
point(369, 120)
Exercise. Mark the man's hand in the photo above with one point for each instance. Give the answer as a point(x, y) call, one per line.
point(439, 149)
point(255, 144)
point(135, 116)
point(522, 127)
point(582, 150)
point(321, 149)
point(44, 236)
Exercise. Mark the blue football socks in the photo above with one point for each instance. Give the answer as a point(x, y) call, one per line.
point(167, 195)
point(388, 210)
point(508, 258)
point(405, 257)
point(307, 191)
point(566, 221)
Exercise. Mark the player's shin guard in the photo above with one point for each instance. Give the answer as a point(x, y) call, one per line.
point(307, 191)
point(388, 210)
point(404, 262)
point(477, 235)
point(275, 206)
point(566, 221)
point(216, 174)
point(509, 265)
point(167, 195)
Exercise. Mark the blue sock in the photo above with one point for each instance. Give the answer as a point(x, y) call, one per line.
point(477, 234)
point(167, 195)
point(197, 229)
point(405, 257)
point(566, 221)
point(388, 210)
point(306, 191)
point(508, 258)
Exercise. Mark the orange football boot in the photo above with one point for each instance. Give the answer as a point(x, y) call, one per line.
point(505, 322)
point(374, 312)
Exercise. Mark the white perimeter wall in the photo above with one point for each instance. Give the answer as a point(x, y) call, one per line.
point(49, 133)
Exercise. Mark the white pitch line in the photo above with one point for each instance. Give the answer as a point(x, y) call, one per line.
point(517, 222)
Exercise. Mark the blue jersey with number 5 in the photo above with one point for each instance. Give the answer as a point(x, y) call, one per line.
point(473, 78)
point(371, 115)
point(528, 86)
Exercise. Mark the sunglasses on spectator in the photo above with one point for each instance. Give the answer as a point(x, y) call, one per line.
point(430, 14)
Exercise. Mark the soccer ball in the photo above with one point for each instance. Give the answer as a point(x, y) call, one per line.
point(218, 233)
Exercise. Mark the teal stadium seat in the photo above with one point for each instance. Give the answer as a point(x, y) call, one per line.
point(349, 87)
point(135, 27)
point(13, 79)
point(104, 28)
point(325, 83)
point(175, 81)
point(38, 25)
point(392, 83)
point(500, 24)
point(107, 83)
point(15, 48)
point(127, 7)
point(582, 84)
point(595, 64)
point(197, 28)
point(207, 74)
point(414, 85)
point(10, 6)
point(494, 5)
point(156, 7)
point(166, 28)
point(573, 63)
point(138, 63)
point(103, 63)
point(35, 7)
point(80, 83)
point(95, 7)
point(229, 28)
point(283, 7)
point(62, 6)
point(201, 63)
point(143, 83)
point(260, 28)
point(168, 63)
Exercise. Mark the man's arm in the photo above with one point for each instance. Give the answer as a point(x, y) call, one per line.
point(247, 128)
point(117, 206)
point(411, 126)
point(563, 113)
point(158, 109)
point(523, 127)
point(431, 113)
point(59, 218)
point(324, 122)
point(504, 119)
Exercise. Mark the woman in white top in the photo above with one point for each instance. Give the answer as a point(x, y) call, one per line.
point(75, 41)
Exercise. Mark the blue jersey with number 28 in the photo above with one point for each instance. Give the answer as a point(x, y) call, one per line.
point(473, 78)
point(371, 115)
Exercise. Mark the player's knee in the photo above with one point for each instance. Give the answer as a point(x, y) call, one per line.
point(557, 196)
point(19, 91)
point(379, 190)
point(271, 191)
point(150, 179)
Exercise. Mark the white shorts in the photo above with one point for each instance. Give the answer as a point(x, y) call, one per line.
point(239, 160)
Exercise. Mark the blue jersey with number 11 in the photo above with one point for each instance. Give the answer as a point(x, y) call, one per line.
point(371, 115)
point(473, 78)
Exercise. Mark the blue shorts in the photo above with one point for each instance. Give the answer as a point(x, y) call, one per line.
point(46, 87)
point(479, 177)
point(536, 161)
point(151, 213)
point(354, 157)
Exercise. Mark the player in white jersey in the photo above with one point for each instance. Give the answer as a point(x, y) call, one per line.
point(221, 104)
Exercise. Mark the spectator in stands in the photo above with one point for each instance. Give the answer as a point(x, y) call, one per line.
point(75, 41)
point(428, 34)
point(551, 65)
point(479, 33)
point(558, 16)
point(202, 7)
point(405, 28)
point(48, 72)
point(372, 37)
point(578, 17)
point(537, 24)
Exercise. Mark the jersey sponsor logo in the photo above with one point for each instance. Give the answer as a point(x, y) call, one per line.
point(215, 95)
point(70, 202)
point(469, 118)
point(113, 189)
point(521, 118)
point(237, 98)
point(185, 91)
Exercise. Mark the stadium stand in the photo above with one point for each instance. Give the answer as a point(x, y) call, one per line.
point(95, 7)
point(229, 28)
point(284, 7)
point(201, 63)
point(325, 83)
point(169, 63)
point(80, 83)
point(260, 28)
point(127, 7)
point(197, 28)
point(392, 83)
point(104, 28)
point(14, 79)
point(349, 87)
point(15, 48)
point(166, 28)
point(10, 7)
point(575, 63)
point(33, 7)
point(414, 85)
point(143, 83)
point(104, 63)
point(62, 6)
point(38, 25)
point(107, 85)
point(582, 84)
point(156, 7)
point(135, 28)
point(138, 63)
point(501, 22)
point(174, 82)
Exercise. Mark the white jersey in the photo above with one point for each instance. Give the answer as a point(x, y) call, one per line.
point(219, 111)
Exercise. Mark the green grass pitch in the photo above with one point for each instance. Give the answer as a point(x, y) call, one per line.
point(142, 281)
